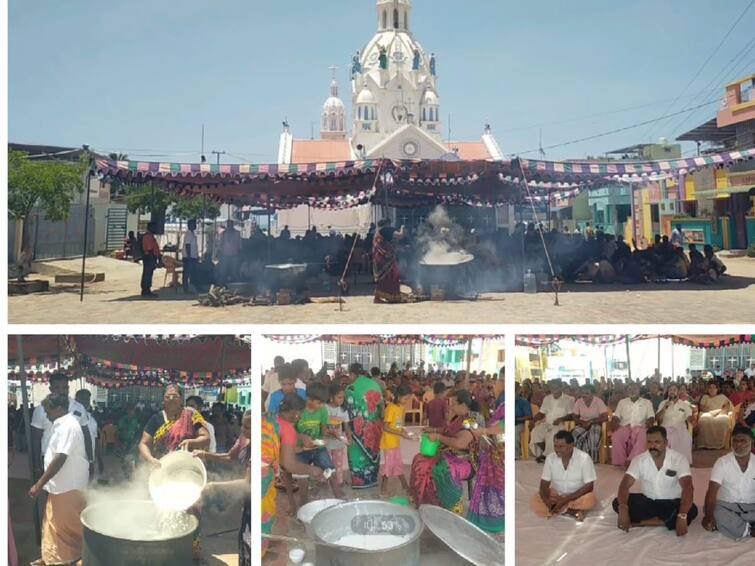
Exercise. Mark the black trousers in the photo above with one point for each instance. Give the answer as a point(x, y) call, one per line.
point(149, 262)
point(642, 508)
point(188, 272)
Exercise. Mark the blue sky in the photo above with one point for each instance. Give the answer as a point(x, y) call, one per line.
point(141, 77)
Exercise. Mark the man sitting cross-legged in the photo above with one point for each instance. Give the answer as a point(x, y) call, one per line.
point(566, 486)
point(666, 497)
point(730, 501)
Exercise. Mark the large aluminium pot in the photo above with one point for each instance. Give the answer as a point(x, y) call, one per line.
point(127, 533)
point(337, 521)
point(454, 277)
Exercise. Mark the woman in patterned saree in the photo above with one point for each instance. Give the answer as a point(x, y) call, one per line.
point(176, 427)
point(278, 454)
point(364, 403)
point(438, 480)
point(385, 265)
point(486, 505)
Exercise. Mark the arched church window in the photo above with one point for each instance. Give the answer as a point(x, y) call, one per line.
point(359, 112)
point(325, 122)
point(340, 123)
point(424, 114)
point(406, 20)
point(395, 19)
point(385, 19)
point(374, 114)
point(333, 122)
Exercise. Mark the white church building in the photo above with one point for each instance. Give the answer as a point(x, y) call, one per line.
point(395, 114)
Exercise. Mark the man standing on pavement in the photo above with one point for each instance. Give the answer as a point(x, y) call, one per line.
point(150, 259)
point(190, 253)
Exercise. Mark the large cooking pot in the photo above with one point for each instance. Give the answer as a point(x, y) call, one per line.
point(453, 276)
point(377, 517)
point(286, 276)
point(128, 533)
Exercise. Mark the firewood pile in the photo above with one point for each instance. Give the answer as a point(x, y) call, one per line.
point(222, 297)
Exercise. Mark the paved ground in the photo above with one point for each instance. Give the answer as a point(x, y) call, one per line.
point(217, 549)
point(116, 300)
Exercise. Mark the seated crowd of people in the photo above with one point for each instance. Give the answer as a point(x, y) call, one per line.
point(652, 428)
point(347, 428)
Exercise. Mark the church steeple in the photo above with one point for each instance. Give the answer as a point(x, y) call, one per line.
point(393, 15)
point(333, 113)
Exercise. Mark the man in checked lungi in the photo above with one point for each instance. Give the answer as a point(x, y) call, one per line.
point(730, 501)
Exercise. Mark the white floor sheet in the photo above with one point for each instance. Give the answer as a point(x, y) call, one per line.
point(598, 541)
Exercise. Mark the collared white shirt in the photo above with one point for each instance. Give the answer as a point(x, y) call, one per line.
point(579, 472)
point(634, 414)
point(213, 443)
point(663, 483)
point(750, 372)
point(67, 438)
point(556, 408)
point(736, 486)
point(677, 412)
point(39, 420)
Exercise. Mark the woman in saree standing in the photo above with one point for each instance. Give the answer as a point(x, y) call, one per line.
point(438, 480)
point(176, 427)
point(487, 503)
point(279, 454)
point(385, 265)
point(364, 403)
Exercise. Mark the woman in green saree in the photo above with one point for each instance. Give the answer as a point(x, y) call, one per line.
point(364, 403)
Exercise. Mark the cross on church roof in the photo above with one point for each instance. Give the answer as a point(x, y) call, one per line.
point(333, 69)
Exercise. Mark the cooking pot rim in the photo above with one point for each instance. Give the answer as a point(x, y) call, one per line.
point(192, 519)
point(412, 540)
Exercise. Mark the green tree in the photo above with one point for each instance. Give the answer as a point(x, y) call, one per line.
point(150, 198)
point(49, 185)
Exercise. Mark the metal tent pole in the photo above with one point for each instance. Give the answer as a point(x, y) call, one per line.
point(90, 172)
point(629, 361)
point(27, 431)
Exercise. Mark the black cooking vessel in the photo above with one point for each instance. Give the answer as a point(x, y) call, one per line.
point(455, 279)
point(101, 548)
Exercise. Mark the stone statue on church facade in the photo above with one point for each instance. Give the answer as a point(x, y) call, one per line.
point(356, 66)
point(432, 64)
point(383, 58)
point(416, 60)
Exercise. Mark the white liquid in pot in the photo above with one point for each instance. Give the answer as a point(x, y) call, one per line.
point(176, 495)
point(372, 542)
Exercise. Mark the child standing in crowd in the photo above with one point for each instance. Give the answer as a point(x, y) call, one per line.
point(437, 409)
point(390, 442)
point(338, 417)
point(287, 380)
point(312, 426)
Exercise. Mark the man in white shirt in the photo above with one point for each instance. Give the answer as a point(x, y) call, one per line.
point(730, 500)
point(666, 497)
point(190, 253)
point(41, 426)
point(65, 477)
point(84, 397)
point(750, 371)
point(632, 416)
point(566, 486)
point(673, 415)
point(555, 411)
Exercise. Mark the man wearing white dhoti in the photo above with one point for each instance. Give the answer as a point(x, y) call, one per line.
point(674, 414)
point(555, 411)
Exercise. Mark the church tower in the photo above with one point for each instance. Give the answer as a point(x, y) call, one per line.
point(333, 121)
point(394, 88)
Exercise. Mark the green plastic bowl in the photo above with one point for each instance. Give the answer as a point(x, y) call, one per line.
point(401, 501)
point(429, 447)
